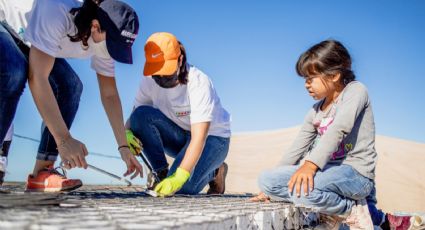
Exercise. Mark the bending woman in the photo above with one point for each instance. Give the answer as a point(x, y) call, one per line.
point(177, 112)
point(101, 30)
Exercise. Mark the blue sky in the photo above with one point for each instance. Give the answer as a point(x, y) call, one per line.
point(249, 50)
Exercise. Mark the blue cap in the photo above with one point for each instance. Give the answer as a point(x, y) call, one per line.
point(121, 24)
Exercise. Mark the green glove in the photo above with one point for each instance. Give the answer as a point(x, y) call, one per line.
point(133, 142)
point(173, 183)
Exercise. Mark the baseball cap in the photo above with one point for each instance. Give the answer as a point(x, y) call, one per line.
point(121, 24)
point(162, 52)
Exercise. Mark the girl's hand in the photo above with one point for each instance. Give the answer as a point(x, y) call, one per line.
point(303, 176)
point(133, 165)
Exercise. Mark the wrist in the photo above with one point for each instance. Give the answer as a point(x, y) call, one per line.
point(182, 174)
point(62, 139)
point(311, 165)
point(125, 146)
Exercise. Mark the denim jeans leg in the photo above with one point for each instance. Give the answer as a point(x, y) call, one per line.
point(67, 89)
point(336, 188)
point(376, 214)
point(158, 134)
point(13, 77)
point(213, 155)
point(274, 182)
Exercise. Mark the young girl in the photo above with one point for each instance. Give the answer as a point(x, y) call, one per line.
point(177, 112)
point(101, 30)
point(337, 142)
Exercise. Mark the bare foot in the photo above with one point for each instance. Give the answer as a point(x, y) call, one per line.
point(261, 197)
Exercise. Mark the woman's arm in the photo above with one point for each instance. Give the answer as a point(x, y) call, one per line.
point(112, 105)
point(199, 133)
point(40, 66)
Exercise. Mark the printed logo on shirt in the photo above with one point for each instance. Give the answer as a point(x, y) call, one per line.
point(21, 32)
point(340, 153)
point(322, 126)
point(348, 147)
point(183, 114)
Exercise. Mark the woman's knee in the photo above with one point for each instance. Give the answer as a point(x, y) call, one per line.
point(66, 79)
point(143, 113)
point(141, 116)
point(78, 88)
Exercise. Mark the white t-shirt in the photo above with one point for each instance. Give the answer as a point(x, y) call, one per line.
point(16, 14)
point(48, 26)
point(187, 104)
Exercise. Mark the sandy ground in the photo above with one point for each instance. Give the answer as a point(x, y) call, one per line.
point(400, 175)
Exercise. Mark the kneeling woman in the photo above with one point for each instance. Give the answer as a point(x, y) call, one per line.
point(177, 112)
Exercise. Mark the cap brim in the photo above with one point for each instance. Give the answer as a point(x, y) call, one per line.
point(119, 51)
point(160, 68)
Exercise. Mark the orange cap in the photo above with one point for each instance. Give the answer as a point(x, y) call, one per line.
point(162, 52)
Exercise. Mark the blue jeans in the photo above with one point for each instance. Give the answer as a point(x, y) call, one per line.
point(335, 188)
point(65, 84)
point(160, 135)
point(378, 217)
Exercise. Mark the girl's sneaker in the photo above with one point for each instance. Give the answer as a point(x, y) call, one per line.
point(50, 180)
point(359, 218)
point(400, 222)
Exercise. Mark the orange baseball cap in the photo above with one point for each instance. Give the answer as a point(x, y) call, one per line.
point(162, 52)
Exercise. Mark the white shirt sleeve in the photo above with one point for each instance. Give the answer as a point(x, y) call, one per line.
point(104, 66)
point(143, 95)
point(47, 26)
point(202, 99)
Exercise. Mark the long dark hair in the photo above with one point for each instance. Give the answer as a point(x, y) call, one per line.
point(184, 71)
point(329, 57)
point(83, 17)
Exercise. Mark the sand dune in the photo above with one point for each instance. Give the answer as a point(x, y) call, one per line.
point(400, 175)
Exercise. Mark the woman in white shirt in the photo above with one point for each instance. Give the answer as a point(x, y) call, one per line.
point(177, 112)
point(101, 30)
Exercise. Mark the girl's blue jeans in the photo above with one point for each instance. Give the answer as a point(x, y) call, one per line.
point(336, 188)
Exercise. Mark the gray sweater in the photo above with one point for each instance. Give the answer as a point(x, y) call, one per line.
point(344, 134)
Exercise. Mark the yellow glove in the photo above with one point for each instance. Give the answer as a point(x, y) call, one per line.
point(133, 142)
point(173, 183)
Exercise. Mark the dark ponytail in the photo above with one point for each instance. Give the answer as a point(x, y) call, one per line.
point(184, 71)
point(83, 17)
point(329, 57)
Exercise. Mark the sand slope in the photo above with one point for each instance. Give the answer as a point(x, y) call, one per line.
point(400, 172)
